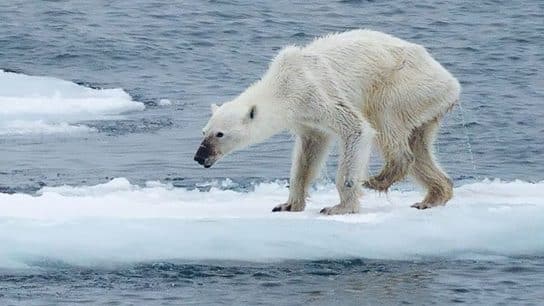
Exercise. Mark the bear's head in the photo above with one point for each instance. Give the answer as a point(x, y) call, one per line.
point(261, 111)
point(232, 127)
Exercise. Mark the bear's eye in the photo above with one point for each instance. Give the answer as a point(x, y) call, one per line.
point(219, 135)
point(252, 112)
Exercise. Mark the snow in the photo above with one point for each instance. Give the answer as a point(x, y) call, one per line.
point(119, 222)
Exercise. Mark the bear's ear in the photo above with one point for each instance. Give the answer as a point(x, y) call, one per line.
point(252, 112)
point(214, 108)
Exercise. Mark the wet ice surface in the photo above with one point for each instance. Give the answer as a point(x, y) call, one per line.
point(119, 222)
point(119, 242)
point(152, 69)
point(46, 105)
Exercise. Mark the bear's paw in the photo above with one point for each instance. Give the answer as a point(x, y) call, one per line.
point(340, 210)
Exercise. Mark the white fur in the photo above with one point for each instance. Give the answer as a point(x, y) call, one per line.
point(355, 86)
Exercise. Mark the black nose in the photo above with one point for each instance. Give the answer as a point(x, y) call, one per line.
point(200, 159)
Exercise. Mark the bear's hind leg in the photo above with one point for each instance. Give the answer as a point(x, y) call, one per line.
point(398, 158)
point(425, 169)
point(308, 157)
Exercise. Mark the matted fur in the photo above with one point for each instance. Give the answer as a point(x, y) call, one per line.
point(362, 87)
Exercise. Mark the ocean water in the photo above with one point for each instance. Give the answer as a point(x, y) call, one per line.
point(101, 108)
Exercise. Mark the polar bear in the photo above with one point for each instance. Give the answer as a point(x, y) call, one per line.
point(362, 87)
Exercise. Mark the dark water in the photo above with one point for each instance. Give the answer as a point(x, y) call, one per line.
point(200, 52)
point(346, 282)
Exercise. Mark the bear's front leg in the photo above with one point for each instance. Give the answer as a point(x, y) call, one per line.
point(352, 169)
point(308, 157)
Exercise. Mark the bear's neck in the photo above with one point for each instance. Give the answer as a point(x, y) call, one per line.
point(271, 116)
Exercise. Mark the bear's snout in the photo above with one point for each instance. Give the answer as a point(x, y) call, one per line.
point(203, 155)
point(199, 159)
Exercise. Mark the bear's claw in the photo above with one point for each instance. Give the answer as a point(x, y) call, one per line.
point(282, 207)
point(324, 211)
point(339, 210)
point(425, 205)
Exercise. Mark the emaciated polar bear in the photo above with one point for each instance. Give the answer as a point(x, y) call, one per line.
point(361, 86)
